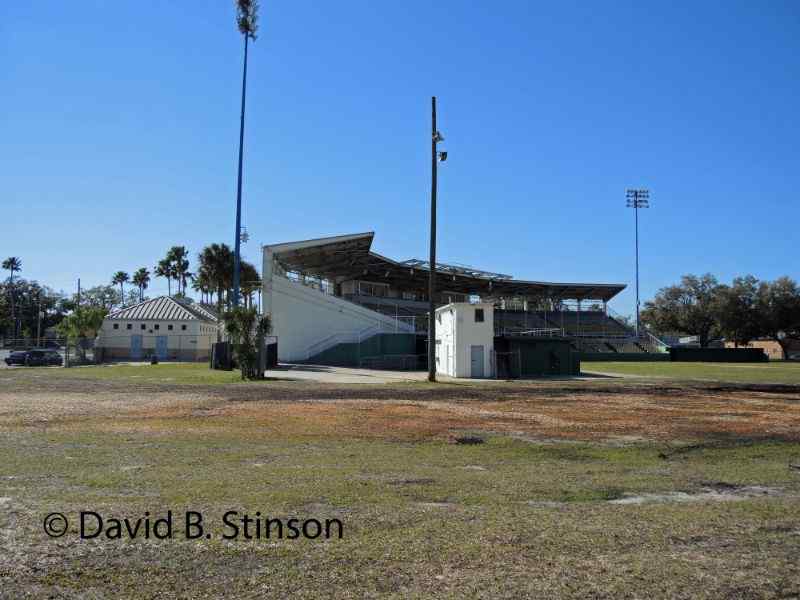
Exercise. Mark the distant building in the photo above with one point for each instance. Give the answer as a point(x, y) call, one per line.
point(164, 327)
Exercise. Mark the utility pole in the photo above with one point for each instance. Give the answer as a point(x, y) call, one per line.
point(39, 323)
point(637, 199)
point(436, 137)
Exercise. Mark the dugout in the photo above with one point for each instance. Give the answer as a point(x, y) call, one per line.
point(528, 356)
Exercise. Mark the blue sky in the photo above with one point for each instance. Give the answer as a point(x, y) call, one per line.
point(120, 126)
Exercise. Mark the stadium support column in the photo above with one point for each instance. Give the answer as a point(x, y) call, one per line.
point(432, 259)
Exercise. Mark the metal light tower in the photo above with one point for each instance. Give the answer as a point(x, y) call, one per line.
point(247, 22)
point(436, 156)
point(637, 199)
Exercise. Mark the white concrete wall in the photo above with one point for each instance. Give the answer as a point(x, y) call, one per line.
point(459, 333)
point(302, 316)
point(198, 336)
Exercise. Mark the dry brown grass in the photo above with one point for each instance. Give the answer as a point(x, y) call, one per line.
point(580, 411)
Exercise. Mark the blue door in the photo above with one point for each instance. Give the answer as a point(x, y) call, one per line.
point(161, 347)
point(136, 347)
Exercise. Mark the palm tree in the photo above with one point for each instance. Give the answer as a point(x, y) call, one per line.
point(216, 260)
point(250, 282)
point(247, 22)
point(141, 279)
point(120, 277)
point(12, 263)
point(178, 258)
point(201, 282)
point(164, 269)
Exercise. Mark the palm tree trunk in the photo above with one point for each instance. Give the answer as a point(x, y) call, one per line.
point(13, 312)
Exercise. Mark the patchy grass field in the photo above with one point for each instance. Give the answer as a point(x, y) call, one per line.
point(183, 373)
point(773, 372)
point(605, 488)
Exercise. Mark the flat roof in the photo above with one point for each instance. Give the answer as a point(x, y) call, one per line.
point(345, 257)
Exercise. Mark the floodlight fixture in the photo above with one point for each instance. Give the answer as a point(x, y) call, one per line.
point(442, 156)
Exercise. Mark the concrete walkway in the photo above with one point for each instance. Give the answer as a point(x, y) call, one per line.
point(326, 374)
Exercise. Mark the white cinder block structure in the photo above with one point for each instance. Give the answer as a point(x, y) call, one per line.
point(465, 339)
point(164, 327)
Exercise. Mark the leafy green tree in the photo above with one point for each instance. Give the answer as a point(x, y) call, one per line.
point(736, 310)
point(120, 278)
point(778, 311)
point(246, 331)
point(141, 279)
point(82, 324)
point(689, 307)
point(31, 298)
point(101, 296)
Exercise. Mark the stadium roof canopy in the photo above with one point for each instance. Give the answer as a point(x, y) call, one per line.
point(345, 257)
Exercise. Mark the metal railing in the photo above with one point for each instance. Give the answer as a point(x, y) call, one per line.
point(539, 332)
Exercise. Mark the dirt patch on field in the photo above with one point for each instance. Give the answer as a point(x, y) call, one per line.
point(552, 410)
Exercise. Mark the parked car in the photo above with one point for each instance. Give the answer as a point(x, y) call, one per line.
point(43, 358)
point(35, 358)
point(16, 358)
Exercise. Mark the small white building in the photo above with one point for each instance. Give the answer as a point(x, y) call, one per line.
point(164, 327)
point(465, 339)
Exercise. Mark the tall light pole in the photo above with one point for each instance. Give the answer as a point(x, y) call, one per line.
point(637, 199)
point(246, 20)
point(436, 156)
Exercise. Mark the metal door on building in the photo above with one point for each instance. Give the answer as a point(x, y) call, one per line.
point(476, 363)
point(136, 347)
point(161, 347)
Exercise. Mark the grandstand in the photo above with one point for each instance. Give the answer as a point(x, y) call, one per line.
point(335, 300)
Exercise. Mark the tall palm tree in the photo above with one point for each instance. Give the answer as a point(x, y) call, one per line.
point(216, 260)
point(251, 281)
point(201, 282)
point(120, 277)
point(179, 259)
point(141, 279)
point(12, 263)
point(247, 22)
point(164, 269)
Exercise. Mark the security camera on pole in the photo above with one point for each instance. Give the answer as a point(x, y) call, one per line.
point(436, 156)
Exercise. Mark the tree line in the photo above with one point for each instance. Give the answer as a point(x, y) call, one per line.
point(213, 278)
point(745, 310)
point(22, 301)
